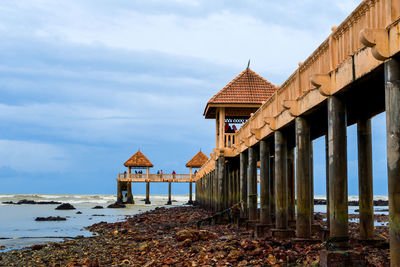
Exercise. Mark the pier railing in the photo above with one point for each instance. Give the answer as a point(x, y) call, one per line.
point(230, 139)
point(153, 177)
point(296, 95)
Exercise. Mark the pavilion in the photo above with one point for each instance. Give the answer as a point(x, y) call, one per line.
point(196, 162)
point(234, 104)
point(137, 161)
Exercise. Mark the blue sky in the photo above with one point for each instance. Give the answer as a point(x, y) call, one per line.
point(86, 83)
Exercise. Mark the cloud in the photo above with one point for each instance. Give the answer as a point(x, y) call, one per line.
point(31, 157)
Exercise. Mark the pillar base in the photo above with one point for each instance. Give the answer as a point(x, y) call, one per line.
point(340, 258)
point(130, 201)
point(283, 233)
point(261, 230)
point(146, 201)
point(190, 202)
point(169, 202)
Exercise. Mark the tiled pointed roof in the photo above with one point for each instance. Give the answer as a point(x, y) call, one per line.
point(197, 161)
point(247, 88)
point(138, 160)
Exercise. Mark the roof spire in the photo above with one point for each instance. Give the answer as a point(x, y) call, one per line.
point(248, 65)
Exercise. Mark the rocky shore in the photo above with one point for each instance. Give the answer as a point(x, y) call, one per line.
point(169, 237)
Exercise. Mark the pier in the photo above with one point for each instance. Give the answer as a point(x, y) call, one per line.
point(140, 162)
point(264, 134)
point(351, 77)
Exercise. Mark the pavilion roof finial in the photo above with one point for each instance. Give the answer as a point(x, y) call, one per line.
point(248, 65)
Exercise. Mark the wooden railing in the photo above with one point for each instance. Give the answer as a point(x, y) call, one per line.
point(154, 176)
point(334, 51)
point(229, 139)
point(206, 168)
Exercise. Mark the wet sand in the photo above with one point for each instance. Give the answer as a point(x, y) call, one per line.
point(169, 237)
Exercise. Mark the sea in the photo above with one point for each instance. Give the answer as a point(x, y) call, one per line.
point(18, 228)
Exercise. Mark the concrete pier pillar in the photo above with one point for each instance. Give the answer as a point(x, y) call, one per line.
point(215, 190)
point(303, 178)
point(147, 200)
point(338, 202)
point(229, 184)
point(209, 186)
point(312, 179)
point(281, 192)
point(252, 181)
point(169, 202)
point(365, 189)
point(392, 107)
point(129, 193)
point(196, 192)
point(119, 192)
point(234, 188)
point(243, 184)
point(221, 183)
point(238, 184)
point(327, 177)
point(264, 183)
point(216, 197)
point(291, 186)
point(190, 194)
point(199, 191)
point(272, 184)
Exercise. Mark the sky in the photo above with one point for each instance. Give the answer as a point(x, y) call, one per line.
point(84, 84)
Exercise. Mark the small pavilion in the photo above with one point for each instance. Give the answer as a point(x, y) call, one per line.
point(234, 104)
point(196, 162)
point(137, 161)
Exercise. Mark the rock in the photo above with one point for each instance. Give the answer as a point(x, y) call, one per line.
point(182, 235)
point(37, 247)
point(247, 244)
point(65, 206)
point(32, 202)
point(78, 212)
point(319, 202)
point(143, 246)
point(256, 251)
point(50, 218)
point(381, 203)
point(207, 235)
point(97, 207)
point(9, 202)
point(25, 201)
point(235, 254)
point(186, 243)
point(2, 247)
point(116, 205)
